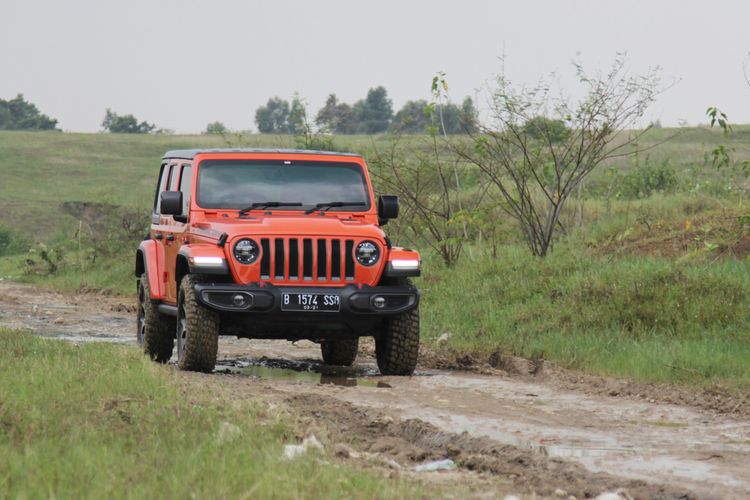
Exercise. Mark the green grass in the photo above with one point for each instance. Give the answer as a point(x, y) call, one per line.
point(101, 421)
point(651, 288)
point(647, 319)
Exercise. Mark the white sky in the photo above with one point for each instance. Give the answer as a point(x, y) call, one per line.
point(181, 64)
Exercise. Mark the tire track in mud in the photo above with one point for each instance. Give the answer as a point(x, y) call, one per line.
point(536, 435)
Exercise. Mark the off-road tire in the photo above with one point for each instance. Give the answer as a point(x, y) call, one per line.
point(339, 352)
point(201, 330)
point(154, 331)
point(397, 342)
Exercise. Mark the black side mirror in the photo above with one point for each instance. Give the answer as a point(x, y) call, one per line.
point(171, 203)
point(387, 208)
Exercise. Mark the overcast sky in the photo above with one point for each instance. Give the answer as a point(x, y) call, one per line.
point(182, 64)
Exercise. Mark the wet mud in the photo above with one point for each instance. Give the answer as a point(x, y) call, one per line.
point(532, 433)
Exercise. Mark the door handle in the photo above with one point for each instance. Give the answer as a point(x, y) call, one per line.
point(158, 236)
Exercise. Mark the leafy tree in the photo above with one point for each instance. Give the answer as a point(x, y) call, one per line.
point(216, 128)
point(125, 124)
point(273, 118)
point(446, 116)
point(469, 116)
point(374, 113)
point(543, 128)
point(415, 116)
point(335, 116)
point(19, 114)
point(297, 119)
point(723, 155)
point(412, 118)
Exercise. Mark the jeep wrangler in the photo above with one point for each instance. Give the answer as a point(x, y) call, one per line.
point(274, 244)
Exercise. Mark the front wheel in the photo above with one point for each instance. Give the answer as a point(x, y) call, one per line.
point(397, 344)
point(155, 332)
point(339, 352)
point(397, 341)
point(197, 330)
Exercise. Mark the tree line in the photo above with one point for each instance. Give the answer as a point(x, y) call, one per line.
point(19, 114)
point(371, 115)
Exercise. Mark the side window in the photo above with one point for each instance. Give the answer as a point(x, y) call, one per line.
point(172, 178)
point(164, 176)
point(186, 182)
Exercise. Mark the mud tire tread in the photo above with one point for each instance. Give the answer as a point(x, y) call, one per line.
point(202, 342)
point(397, 345)
point(158, 335)
point(339, 352)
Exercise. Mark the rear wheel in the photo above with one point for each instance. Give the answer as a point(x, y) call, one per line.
point(339, 352)
point(397, 342)
point(197, 330)
point(155, 331)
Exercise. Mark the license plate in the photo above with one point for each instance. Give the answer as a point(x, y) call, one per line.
point(310, 302)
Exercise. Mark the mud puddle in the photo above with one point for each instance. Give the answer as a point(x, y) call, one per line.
point(311, 372)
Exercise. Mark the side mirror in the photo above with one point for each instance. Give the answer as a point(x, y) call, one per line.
point(171, 203)
point(387, 208)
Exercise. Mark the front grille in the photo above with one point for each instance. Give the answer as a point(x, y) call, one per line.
point(307, 259)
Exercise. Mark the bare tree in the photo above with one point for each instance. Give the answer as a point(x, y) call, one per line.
point(426, 177)
point(538, 147)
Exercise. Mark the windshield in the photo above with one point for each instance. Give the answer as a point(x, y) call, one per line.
point(237, 184)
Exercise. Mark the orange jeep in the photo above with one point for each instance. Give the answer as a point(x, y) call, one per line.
point(274, 244)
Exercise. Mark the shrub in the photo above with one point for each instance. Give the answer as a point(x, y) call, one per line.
point(643, 181)
point(11, 244)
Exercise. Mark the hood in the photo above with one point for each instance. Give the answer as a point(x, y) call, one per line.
point(297, 225)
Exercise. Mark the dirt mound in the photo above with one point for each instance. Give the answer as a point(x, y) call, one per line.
point(718, 400)
point(712, 236)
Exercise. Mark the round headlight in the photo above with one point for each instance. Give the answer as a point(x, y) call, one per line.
point(246, 251)
point(367, 253)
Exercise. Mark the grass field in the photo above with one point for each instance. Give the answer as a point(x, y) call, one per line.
point(101, 421)
point(653, 285)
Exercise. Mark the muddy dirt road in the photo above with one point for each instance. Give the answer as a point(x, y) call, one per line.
point(525, 433)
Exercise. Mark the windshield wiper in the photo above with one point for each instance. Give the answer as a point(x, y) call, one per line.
point(334, 204)
point(269, 204)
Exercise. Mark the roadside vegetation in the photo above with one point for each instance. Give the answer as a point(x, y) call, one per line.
point(647, 276)
point(97, 420)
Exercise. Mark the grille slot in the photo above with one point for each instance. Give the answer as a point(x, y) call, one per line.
point(294, 259)
point(322, 260)
point(265, 261)
point(278, 265)
point(335, 260)
point(307, 259)
point(349, 260)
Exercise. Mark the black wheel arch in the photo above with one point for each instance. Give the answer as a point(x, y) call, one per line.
point(182, 269)
point(140, 263)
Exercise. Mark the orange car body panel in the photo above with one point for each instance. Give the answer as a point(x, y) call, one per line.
point(153, 258)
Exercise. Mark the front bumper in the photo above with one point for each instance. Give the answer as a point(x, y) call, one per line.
point(355, 300)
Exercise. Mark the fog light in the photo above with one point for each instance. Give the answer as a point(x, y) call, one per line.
point(239, 300)
point(378, 302)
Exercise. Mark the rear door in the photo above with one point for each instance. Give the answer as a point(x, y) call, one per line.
point(175, 228)
point(161, 225)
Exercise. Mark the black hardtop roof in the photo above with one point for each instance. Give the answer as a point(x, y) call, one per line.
point(189, 154)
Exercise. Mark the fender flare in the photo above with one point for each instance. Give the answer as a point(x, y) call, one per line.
point(201, 258)
point(402, 262)
point(150, 259)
